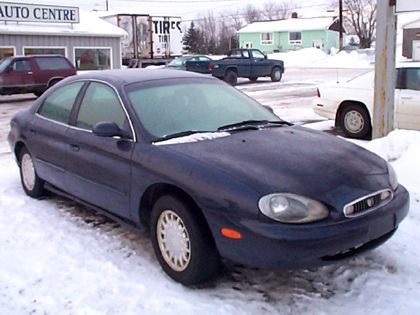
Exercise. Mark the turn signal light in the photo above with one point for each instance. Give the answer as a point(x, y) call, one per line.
point(229, 233)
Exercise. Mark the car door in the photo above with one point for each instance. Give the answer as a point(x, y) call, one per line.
point(19, 76)
point(408, 99)
point(244, 64)
point(261, 67)
point(99, 167)
point(46, 135)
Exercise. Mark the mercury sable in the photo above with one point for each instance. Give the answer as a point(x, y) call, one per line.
point(210, 172)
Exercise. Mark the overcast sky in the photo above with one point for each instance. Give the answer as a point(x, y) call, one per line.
point(188, 9)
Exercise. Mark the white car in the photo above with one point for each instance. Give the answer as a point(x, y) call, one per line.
point(350, 103)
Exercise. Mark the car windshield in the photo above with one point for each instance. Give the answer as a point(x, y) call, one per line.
point(175, 107)
point(4, 63)
point(177, 62)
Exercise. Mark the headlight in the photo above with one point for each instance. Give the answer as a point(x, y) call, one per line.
point(291, 208)
point(393, 179)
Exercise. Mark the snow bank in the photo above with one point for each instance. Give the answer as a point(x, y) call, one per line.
point(312, 57)
point(302, 57)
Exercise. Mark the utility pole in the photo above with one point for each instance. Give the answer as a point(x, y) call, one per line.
point(340, 17)
point(383, 104)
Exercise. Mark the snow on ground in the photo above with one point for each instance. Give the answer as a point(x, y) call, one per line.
point(312, 57)
point(58, 257)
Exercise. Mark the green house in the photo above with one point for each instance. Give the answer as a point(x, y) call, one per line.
point(291, 34)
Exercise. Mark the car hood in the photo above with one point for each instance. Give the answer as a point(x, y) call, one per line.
point(295, 160)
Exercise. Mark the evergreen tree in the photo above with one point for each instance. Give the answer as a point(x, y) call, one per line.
point(191, 39)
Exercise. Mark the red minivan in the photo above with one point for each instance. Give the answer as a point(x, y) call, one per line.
point(33, 74)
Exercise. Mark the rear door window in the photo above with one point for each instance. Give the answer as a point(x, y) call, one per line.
point(53, 63)
point(57, 106)
point(100, 104)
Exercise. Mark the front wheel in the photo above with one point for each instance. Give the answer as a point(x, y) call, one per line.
point(31, 183)
point(276, 74)
point(182, 241)
point(231, 77)
point(355, 122)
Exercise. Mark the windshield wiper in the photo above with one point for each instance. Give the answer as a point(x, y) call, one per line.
point(253, 124)
point(180, 134)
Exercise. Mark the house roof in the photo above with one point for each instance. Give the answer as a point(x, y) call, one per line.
point(90, 25)
point(289, 25)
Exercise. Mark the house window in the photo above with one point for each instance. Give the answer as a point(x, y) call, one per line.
point(92, 58)
point(44, 51)
point(295, 38)
point(6, 52)
point(266, 38)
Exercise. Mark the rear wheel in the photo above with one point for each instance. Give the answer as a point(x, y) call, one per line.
point(276, 74)
point(231, 77)
point(355, 122)
point(182, 242)
point(31, 183)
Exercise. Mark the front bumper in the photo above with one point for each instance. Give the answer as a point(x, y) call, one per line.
point(274, 245)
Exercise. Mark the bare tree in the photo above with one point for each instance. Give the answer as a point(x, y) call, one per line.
point(362, 17)
point(275, 10)
point(251, 14)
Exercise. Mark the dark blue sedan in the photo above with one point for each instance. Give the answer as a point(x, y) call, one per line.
point(210, 172)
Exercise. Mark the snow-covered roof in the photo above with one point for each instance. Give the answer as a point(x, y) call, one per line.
point(90, 25)
point(289, 25)
point(413, 24)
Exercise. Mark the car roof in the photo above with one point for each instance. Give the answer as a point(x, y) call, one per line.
point(408, 64)
point(37, 56)
point(127, 76)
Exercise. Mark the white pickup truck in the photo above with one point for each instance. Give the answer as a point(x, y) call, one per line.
point(350, 103)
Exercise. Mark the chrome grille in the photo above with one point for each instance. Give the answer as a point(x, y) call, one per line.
point(368, 203)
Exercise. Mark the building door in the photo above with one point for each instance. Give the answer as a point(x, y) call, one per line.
point(416, 50)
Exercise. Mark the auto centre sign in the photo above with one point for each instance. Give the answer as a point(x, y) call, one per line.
point(23, 12)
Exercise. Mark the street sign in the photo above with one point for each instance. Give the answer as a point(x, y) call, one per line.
point(407, 6)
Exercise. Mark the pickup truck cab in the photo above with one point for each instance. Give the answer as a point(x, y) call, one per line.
point(247, 63)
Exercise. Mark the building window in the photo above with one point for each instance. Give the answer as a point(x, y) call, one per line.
point(6, 52)
point(295, 38)
point(266, 38)
point(44, 51)
point(92, 58)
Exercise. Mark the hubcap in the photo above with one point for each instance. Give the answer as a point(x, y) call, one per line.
point(277, 74)
point(354, 122)
point(173, 239)
point(28, 171)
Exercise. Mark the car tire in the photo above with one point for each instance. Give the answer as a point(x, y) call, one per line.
point(182, 242)
point(231, 77)
point(355, 122)
point(31, 183)
point(53, 82)
point(276, 74)
point(253, 79)
point(38, 93)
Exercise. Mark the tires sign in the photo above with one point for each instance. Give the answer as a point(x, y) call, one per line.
point(407, 6)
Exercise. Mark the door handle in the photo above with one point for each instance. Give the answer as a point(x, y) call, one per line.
point(30, 72)
point(74, 147)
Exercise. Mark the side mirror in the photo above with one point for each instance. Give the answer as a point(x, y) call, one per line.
point(109, 129)
point(265, 56)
